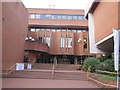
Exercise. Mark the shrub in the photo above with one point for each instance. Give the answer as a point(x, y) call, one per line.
point(102, 59)
point(91, 61)
point(107, 65)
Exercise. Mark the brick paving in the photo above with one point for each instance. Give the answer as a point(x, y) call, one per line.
point(45, 83)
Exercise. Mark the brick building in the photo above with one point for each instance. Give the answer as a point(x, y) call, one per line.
point(103, 18)
point(14, 31)
point(57, 34)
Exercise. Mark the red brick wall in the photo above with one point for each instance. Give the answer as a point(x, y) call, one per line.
point(79, 46)
point(15, 28)
point(55, 11)
point(106, 18)
point(57, 22)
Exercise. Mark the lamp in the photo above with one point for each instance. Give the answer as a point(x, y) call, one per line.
point(79, 40)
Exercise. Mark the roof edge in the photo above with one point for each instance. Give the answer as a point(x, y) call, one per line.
point(91, 7)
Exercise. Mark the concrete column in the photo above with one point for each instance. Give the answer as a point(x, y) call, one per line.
point(93, 48)
point(75, 60)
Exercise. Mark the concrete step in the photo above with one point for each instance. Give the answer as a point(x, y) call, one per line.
point(31, 74)
point(43, 66)
point(66, 67)
point(47, 74)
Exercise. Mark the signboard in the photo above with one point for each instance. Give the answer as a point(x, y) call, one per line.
point(19, 66)
point(29, 66)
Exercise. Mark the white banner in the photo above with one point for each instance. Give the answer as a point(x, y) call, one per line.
point(19, 66)
point(116, 49)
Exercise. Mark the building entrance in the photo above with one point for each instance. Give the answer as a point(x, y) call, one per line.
point(65, 59)
point(43, 58)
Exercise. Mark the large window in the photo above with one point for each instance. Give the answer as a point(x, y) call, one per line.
point(62, 42)
point(57, 16)
point(69, 42)
point(48, 41)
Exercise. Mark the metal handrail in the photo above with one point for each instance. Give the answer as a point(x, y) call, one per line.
point(10, 70)
point(107, 72)
point(53, 70)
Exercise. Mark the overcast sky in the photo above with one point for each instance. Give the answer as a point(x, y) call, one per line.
point(56, 4)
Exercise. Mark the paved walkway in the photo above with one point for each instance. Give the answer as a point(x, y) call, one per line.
point(45, 83)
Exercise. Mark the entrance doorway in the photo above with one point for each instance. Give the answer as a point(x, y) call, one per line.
point(43, 58)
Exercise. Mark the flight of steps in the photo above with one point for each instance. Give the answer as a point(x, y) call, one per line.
point(42, 66)
point(31, 74)
point(44, 71)
point(66, 67)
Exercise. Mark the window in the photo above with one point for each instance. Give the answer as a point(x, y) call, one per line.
point(48, 41)
point(48, 16)
point(53, 30)
point(69, 17)
point(81, 17)
point(32, 16)
point(74, 31)
point(58, 16)
point(32, 29)
point(39, 39)
point(74, 17)
point(57, 30)
point(69, 42)
point(64, 17)
point(37, 29)
point(54, 16)
point(79, 31)
point(43, 16)
point(37, 16)
point(62, 42)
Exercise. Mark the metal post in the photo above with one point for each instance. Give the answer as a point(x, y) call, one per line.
point(117, 80)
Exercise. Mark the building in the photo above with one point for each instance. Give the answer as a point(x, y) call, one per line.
point(57, 35)
point(103, 18)
point(14, 31)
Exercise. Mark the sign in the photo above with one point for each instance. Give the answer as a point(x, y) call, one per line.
point(19, 66)
point(29, 66)
point(116, 49)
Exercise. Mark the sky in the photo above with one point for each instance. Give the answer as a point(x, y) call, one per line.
point(56, 4)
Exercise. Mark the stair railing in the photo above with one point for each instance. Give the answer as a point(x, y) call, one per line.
point(53, 70)
point(33, 62)
point(9, 71)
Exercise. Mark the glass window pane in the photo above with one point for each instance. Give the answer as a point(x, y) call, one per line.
point(64, 17)
point(48, 16)
point(54, 16)
point(48, 41)
point(43, 16)
point(74, 17)
point(79, 31)
point(62, 42)
point(81, 17)
point(37, 16)
point(69, 17)
point(37, 29)
point(69, 41)
point(74, 31)
point(59, 17)
point(32, 16)
point(32, 29)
